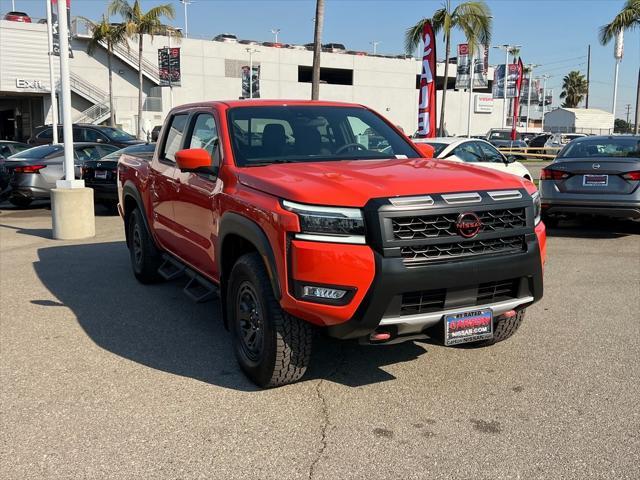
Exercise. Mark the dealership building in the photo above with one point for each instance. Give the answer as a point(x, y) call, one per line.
point(213, 70)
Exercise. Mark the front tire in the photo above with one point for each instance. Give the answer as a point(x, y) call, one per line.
point(504, 329)
point(145, 258)
point(273, 348)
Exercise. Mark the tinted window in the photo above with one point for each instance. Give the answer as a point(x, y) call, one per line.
point(489, 152)
point(602, 147)
point(106, 150)
point(5, 151)
point(204, 133)
point(87, 153)
point(468, 152)
point(263, 135)
point(173, 141)
point(39, 152)
point(46, 134)
point(91, 135)
point(116, 134)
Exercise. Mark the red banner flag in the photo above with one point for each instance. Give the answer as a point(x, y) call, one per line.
point(427, 105)
point(516, 105)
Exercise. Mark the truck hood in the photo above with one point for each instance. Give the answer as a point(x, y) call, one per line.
point(354, 183)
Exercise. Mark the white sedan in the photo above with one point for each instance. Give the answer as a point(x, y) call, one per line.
point(475, 151)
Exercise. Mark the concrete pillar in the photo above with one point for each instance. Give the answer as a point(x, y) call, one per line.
point(72, 214)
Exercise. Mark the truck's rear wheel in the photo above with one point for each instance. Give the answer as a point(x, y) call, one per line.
point(272, 347)
point(505, 328)
point(145, 258)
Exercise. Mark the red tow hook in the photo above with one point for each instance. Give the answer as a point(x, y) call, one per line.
point(509, 314)
point(379, 337)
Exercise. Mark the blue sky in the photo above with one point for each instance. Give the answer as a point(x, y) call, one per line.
point(553, 33)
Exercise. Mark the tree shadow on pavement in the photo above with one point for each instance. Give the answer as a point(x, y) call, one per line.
point(595, 228)
point(158, 326)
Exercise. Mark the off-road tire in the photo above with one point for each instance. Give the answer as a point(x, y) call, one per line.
point(286, 340)
point(503, 329)
point(145, 258)
point(20, 201)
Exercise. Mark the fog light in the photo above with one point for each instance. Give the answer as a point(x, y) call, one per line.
point(323, 292)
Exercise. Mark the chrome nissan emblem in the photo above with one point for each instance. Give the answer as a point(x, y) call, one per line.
point(596, 165)
point(468, 224)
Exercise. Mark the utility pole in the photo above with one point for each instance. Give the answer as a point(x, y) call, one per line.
point(186, 3)
point(628, 109)
point(636, 129)
point(544, 98)
point(375, 44)
point(52, 76)
point(586, 105)
point(507, 48)
point(13, 5)
point(530, 67)
point(251, 51)
point(275, 32)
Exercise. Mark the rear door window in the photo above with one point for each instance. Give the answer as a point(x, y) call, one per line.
point(173, 139)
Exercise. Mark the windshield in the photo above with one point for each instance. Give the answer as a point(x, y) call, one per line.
point(117, 134)
point(438, 147)
point(142, 150)
point(309, 133)
point(37, 152)
point(602, 147)
point(502, 135)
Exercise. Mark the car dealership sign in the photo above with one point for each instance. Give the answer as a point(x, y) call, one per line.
point(483, 103)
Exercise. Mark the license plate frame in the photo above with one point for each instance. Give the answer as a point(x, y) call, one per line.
point(468, 326)
point(595, 180)
point(100, 174)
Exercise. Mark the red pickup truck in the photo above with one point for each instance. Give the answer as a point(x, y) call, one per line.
point(309, 216)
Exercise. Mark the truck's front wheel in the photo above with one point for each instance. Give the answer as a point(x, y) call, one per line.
point(145, 258)
point(272, 347)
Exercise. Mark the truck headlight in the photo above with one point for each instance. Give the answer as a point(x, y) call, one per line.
point(328, 224)
point(537, 208)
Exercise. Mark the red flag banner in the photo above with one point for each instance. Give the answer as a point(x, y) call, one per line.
point(427, 102)
point(516, 104)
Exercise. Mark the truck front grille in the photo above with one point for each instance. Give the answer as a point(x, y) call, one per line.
point(414, 256)
point(429, 301)
point(444, 225)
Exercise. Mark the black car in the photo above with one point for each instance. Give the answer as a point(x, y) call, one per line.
point(86, 133)
point(8, 148)
point(539, 140)
point(102, 174)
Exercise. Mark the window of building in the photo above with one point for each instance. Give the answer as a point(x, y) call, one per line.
point(333, 76)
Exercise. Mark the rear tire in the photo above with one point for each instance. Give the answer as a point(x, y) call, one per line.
point(21, 202)
point(145, 258)
point(504, 329)
point(273, 348)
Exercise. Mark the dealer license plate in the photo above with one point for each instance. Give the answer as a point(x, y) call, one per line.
point(100, 174)
point(469, 326)
point(595, 180)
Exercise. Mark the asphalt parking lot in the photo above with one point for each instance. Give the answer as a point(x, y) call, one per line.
point(105, 378)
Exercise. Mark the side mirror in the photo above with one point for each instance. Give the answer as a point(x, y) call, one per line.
point(195, 160)
point(509, 159)
point(426, 150)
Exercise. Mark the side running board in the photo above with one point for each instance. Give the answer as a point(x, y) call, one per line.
point(198, 288)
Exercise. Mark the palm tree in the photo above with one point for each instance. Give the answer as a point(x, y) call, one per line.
point(110, 34)
point(473, 18)
point(627, 19)
point(574, 88)
point(317, 48)
point(137, 24)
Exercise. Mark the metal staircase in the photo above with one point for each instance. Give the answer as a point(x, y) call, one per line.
point(95, 114)
point(82, 29)
point(99, 111)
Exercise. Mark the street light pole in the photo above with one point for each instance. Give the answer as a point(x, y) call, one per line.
point(507, 48)
point(375, 44)
point(275, 32)
point(531, 66)
point(544, 98)
point(52, 76)
point(186, 3)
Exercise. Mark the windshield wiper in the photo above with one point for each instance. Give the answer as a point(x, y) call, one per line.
point(263, 164)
